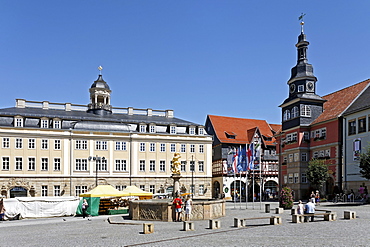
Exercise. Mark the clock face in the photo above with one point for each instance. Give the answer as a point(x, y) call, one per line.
point(310, 86)
point(292, 88)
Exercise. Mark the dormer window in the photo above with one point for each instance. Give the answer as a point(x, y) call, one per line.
point(201, 131)
point(172, 129)
point(152, 128)
point(191, 131)
point(44, 123)
point(56, 124)
point(142, 128)
point(18, 122)
point(230, 135)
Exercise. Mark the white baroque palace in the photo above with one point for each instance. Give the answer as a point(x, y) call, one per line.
point(55, 149)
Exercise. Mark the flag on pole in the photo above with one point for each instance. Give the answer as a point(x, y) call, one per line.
point(242, 160)
point(250, 157)
point(235, 161)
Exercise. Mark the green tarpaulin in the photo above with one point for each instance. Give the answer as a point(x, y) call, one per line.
point(93, 208)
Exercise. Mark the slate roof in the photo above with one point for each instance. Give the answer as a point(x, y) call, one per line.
point(338, 101)
point(242, 127)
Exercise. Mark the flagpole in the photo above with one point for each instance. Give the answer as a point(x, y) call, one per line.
point(260, 175)
point(246, 176)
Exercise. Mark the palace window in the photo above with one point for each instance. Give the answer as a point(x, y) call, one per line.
point(152, 147)
point(56, 164)
point(121, 165)
point(44, 164)
point(201, 148)
point(142, 146)
point(6, 142)
point(162, 165)
point(101, 145)
point(201, 166)
point(31, 143)
point(142, 166)
point(173, 148)
point(18, 163)
point(18, 122)
point(44, 190)
point(152, 165)
point(44, 144)
point(44, 123)
point(57, 144)
point(81, 164)
point(56, 190)
point(286, 115)
point(18, 143)
point(31, 163)
point(121, 146)
point(6, 163)
point(162, 147)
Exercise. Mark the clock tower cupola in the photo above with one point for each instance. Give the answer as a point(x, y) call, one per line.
point(303, 105)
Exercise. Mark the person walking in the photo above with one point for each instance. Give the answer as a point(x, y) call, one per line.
point(84, 206)
point(188, 208)
point(177, 202)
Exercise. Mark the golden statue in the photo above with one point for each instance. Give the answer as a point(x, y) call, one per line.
point(175, 167)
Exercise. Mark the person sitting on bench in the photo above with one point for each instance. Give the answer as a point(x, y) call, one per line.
point(309, 209)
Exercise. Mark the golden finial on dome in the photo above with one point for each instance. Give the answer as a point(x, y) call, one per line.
point(100, 68)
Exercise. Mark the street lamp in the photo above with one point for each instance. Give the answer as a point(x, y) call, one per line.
point(192, 176)
point(96, 159)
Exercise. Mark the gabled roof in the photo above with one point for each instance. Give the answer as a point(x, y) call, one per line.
point(339, 101)
point(243, 128)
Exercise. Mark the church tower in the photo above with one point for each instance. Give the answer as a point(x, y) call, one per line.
point(303, 105)
point(100, 97)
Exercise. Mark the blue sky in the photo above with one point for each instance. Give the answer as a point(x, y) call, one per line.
point(229, 58)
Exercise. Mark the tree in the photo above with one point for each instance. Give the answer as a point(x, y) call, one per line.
point(317, 173)
point(365, 164)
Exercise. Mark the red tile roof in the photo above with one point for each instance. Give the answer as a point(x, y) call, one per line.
point(338, 101)
point(243, 128)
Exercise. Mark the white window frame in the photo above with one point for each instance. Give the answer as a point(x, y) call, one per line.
point(142, 128)
point(173, 148)
point(305, 111)
point(44, 164)
point(44, 124)
point(192, 131)
point(120, 165)
point(121, 146)
point(57, 144)
point(18, 122)
point(201, 166)
point(142, 147)
point(44, 190)
point(18, 143)
point(57, 164)
point(152, 165)
point(142, 165)
point(31, 163)
point(6, 142)
point(162, 147)
point(44, 144)
point(192, 148)
point(57, 124)
point(201, 148)
point(31, 143)
point(152, 147)
point(56, 190)
point(162, 166)
point(183, 148)
point(5, 166)
point(151, 128)
point(173, 130)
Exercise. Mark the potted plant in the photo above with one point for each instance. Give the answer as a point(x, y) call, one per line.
point(286, 198)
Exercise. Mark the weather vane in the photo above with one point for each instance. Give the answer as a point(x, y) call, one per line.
point(302, 22)
point(100, 68)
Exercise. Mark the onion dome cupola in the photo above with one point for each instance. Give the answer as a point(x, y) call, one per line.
point(100, 97)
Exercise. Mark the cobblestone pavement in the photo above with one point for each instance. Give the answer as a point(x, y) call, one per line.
point(75, 231)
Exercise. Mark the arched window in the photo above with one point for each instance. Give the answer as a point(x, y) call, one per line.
point(295, 112)
point(286, 115)
point(305, 111)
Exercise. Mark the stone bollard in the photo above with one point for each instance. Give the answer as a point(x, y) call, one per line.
point(293, 211)
point(148, 228)
point(349, 215)
point(238, 222)
point(188, 226)
point(214, 224)
point(267, 208)
point(275, 220)
point(279, 210)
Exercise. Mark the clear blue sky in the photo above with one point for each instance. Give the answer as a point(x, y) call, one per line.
point(229, 58)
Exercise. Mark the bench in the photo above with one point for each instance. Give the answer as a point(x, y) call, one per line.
point(349, 215)
point(300, 218)
point(274, 220)
point(214, 224)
